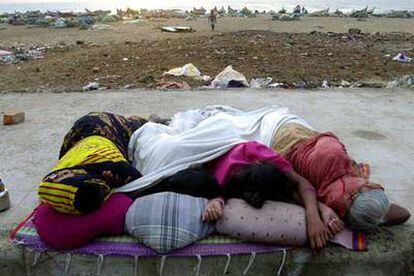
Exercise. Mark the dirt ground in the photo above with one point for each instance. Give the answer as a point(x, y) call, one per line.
point(308, 51)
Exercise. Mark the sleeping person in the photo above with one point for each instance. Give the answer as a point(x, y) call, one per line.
point(162, 154)
point(339, 181)
point(92, 162)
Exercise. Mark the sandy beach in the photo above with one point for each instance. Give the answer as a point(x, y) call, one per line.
point(310, 51)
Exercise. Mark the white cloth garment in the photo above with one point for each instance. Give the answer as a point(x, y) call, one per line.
point(198, 136)
point(256, 125)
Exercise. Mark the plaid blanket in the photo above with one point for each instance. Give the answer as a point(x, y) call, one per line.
point(168, 221)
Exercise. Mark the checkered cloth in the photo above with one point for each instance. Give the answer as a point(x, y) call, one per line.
point(168, 221)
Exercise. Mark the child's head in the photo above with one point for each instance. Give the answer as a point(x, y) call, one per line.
point(257, 183)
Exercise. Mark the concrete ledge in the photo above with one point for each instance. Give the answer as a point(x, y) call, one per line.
point(31, 148)
point(390, 253)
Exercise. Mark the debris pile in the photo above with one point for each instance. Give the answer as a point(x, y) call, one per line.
point(21, 52)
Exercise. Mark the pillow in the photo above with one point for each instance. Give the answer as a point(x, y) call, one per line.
point(65, 231)
point(276, 222)
point(167, 221)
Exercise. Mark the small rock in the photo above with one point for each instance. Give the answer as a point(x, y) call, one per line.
point(96, 69)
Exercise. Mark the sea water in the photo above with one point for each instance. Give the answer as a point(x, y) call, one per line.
point(311, 5)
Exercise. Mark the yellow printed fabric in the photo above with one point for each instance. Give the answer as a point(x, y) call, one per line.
point(60, 187)
point(60, 196)
point(91, 150)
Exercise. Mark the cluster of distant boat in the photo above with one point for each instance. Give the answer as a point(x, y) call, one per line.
point(87, 17)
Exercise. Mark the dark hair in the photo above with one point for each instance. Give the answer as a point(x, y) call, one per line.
point(257, 183)
point(194, 181)
point(88, 197)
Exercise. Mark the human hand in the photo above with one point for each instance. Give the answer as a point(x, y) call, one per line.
point(109, 177)
point(332, 220)
point(213, 211)
point(318, 233)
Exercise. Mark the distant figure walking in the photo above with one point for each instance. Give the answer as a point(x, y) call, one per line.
point(212, 19)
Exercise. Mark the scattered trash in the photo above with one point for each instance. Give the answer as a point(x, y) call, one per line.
point(177, 29)
point(345, 83)
point(188, 70)
point(402, 58)
point(91, 86)
point(325, 84)
point(392, 84)
point(21, 52)
point(173, 85)
point(405, 82)
point(125, 59)
point(229, 78)
point(207, 79)
point(260, 82)
point(277, 85)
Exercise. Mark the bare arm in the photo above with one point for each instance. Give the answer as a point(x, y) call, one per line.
point(318, 233)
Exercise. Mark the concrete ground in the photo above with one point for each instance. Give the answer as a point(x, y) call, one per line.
point(376, 125)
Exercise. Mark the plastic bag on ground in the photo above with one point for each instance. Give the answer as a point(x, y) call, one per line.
point(402, 58)
point(188, 70)
point(91, 86)
point(260, 82)
point(229, 78)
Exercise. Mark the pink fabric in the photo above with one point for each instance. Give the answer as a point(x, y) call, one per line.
point(323, 161)
point(64, 231)
point(245, 154)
